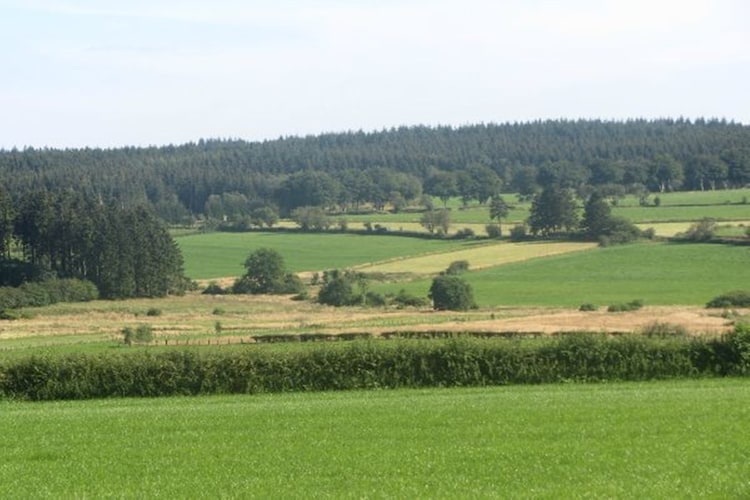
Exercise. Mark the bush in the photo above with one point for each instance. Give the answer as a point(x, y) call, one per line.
point(588, 307)
point(494, 231)
point(375, 365)
point(374, 299)
point(142, 334)
point(736, 298)
point(633, 305)
point(704, 230)
point(404, 299)
point(464, 234)
point(518, 233)
point(43, 293)
point(451, 293)
point(213, 288)
point(338, 289)
point(660, 329)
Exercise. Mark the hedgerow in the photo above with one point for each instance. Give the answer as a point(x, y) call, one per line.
point(368, 364)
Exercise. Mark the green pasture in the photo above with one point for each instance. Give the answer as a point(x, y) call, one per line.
point(716, 197)
point(657, 273)
point(676, 439)
point(675, 213)
point(215, 255)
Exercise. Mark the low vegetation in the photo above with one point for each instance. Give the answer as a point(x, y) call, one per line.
point(603, 441)
point(372, 364)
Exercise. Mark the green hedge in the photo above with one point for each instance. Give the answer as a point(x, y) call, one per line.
point(44, 293)
point(368, 364)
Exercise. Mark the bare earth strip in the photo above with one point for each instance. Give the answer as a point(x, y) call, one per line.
point(478, 258)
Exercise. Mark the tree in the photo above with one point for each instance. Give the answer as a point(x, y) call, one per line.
point(478, 182)
point(7, 220)
point(451, 292)
point(552, 210)
point(436, 220)
point(311, 218)
point(338, 289)
point(264, 215)
point(441, 185)
point(499, 209)
point(596, 215)
point(266, 273)
point(666, 172)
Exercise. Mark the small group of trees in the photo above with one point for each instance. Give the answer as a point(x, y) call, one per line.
point(555, 211)
point(125, 252)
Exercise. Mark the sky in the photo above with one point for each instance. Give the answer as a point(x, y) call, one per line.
point(100, 73)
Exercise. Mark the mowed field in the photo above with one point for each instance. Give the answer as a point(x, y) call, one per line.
point(670, 439)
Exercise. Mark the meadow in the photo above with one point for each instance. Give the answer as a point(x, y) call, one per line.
point(657, 273)
point(216, 255)
point(670, 439)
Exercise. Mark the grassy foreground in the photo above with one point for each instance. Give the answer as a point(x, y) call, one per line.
point(672, 439)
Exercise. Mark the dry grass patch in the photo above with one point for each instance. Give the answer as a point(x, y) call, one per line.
point(479, 258)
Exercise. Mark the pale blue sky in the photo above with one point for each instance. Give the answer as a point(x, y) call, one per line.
point(111, 73)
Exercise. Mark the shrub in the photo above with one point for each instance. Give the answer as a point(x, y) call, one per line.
point(374, 299)
point(736, 298)
point(457, 267)
point(338, 289)
point(404, 299)
point(214, 288)
point(153, 311)
point(142, 334)
point(464, 234)
point(494, 231)
point(633, 305)
point(588, 307)
point(370, 365)
point(704, 230)
point(451, 293)
point(660, 329)
point(518, 233)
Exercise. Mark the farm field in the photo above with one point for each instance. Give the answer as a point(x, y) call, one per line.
point(657, 440)
point(540, 294)
point(657, 273)
point(215, 255)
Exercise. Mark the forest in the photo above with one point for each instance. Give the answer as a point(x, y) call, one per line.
point(226, 179)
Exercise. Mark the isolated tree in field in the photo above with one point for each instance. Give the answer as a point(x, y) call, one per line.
point(450, 292)
point(596, 215)
point(436, 220)
point(311, 218)
point(266, 273)
point(499, 209)
point(553, 210)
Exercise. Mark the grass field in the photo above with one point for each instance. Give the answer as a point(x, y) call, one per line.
point(215, 255)
point(678, 439)
point(658, 273)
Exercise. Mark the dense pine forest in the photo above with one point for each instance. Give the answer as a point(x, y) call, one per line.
point(344, 171)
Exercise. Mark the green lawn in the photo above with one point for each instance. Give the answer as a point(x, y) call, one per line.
point(676, 439)
point(657, 273)
point(215, 255)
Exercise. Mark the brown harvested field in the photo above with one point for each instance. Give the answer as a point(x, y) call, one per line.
point(241, 317)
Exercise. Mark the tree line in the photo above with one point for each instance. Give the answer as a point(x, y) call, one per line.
point(259, 181)
point(124, 251)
